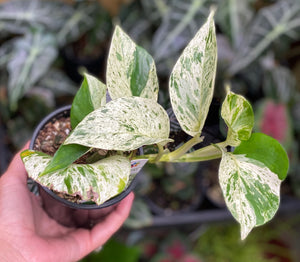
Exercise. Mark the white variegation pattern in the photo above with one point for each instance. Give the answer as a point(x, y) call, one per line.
point(124, 56)
point(250, 189)
point(239, 118)
point(126, 123)
point(192, 79)
point(97, 91)
point(97, 182)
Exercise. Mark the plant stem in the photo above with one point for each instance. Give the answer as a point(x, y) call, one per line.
point(160, 152)
point(203, 154)
point(184, 148)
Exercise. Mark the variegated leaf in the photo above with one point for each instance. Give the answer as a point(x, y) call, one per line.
point(251, 190)
point(126, 123)
point(97, 182)
point(239, 117)
point(130, 69)
point(90, 96)
point(192, 79)
point(267, 150)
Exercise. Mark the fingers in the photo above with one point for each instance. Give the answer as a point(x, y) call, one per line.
point(78, 243)
point(104, 230)
point(88, 241)
point(16, 166)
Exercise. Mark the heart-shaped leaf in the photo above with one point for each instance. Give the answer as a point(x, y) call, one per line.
point(131, 70)
point(192, 79)
point(90, 96)
point(239, 117)
point(250, 179)
point(251, 190)
point(126, 123)
point(97, 182)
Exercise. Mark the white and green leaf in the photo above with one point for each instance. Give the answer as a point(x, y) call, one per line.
point(192, 80)
point(239, 117)
point(96, 182)
point(131, 70)
point(251, 190)
point(125, 124)
point(90, 96)
point(250, 179)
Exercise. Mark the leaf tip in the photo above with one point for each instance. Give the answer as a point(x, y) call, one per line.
point(212, 10)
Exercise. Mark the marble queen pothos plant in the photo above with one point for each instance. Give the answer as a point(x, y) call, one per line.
point(250, 176)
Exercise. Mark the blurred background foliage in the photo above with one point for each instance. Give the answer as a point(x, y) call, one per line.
point(45, 44)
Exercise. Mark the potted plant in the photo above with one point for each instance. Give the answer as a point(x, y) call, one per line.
point(250, 176)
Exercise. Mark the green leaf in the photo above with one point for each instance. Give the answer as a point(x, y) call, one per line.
point(251, 190)
point(97, 182)
point(130, 69)
point(268, 151)
point(65, 156)
point(90, 96)
point(239, 117)
point(126, 123)
point(192, 79)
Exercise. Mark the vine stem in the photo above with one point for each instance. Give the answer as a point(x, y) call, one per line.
point(213, 151)
point(179, 152)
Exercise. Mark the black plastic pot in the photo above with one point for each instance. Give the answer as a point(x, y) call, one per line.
point(68, 213)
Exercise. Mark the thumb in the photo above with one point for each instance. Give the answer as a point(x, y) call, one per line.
point(16, 167)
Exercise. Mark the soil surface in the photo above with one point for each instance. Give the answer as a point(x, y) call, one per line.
point(53, 135)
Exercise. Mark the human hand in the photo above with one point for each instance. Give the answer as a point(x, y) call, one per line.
point(27, 233)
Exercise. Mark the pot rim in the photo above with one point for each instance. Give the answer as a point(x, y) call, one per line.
point(107, 203)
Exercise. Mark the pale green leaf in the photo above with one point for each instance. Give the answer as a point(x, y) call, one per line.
point(126, 123)
point(33, 54)
point(192, 79)
point(239, 117)
point(90, 96)
point(251, 190)
point(97, 182)
point(130, 69)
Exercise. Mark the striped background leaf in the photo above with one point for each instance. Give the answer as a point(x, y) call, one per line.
point(239, 117)
point(125, 124)
point(90, 96)
point(97, 182)
point(192, 79)
point(130, 69)
point(251, 190)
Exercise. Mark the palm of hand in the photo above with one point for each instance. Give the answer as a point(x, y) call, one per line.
point(33, 236)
